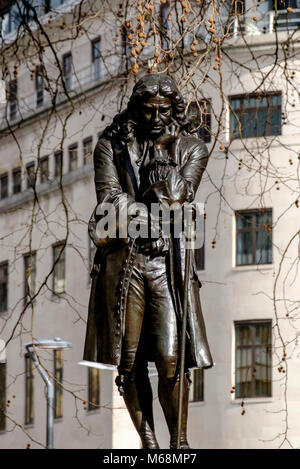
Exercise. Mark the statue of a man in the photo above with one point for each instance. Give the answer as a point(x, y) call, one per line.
point(146, 155)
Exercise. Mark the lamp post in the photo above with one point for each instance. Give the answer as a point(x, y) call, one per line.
point(48, 344)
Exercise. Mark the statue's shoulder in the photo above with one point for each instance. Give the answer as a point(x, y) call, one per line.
point(190, 142)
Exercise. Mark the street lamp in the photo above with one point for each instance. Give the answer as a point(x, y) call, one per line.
point(48, 344)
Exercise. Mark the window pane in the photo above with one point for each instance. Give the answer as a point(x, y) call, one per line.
point(58, 164)
point(253, 359)
point(30, 274)
point(58, 380)
point(88, 151)
point(198, 385)
point(244, 248)
point(29, 390)
point(3, 286)
point(59, 269)
point(73, 158)
point(2, 395)
point(44, 166)
point(30, 173)
point(17, 180)
point(4, 186)
point(94, 388)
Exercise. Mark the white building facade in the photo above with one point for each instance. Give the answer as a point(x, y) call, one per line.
point(248, 266)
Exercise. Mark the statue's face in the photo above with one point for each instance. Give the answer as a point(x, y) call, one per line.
point(155, 114)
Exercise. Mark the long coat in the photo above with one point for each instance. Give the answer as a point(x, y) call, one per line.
point(115, 181)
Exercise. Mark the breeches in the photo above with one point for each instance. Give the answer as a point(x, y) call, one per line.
point(150, 321)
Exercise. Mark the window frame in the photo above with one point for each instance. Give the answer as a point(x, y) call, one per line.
point(253, 231)
point(67, 71)
point(269, 108)
point(58, 164)
point(30, 175)
point(96, 59)
point(252, 323)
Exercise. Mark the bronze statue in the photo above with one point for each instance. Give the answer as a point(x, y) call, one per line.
point(147, 155)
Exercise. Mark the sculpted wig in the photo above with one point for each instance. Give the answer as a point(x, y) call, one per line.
point(125, 123)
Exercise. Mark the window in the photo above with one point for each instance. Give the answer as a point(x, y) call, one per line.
point(200, 252)
point(254, 237)
point(73, 157)
point(12, 99)
point(58, 164)
point(30, 275)
point(29, 390)
point(96, 58)
point(30, 172)
point(197, 388)
point(39, 86)
point(59, 258)
point(44, 168)
point(255, 115)
point(253, 367)
point(2, 395)
point(93, 388)
point(17, 180)
point(88, 150)
point(67, 70)
point(3, 186)
point(3, 286)
point(199, 113)
point(58, 380)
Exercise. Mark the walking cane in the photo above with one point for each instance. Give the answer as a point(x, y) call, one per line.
point(183, 331)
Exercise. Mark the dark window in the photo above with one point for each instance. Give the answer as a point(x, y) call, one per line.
point(96, 58)
point(29, 390)
point(58, 164)
point(282, 4)
point(44, 168)
point(58, 380)
point(88, 150)
point(29, 275)
point(93, 388)
point(12, 99)
point(17, 180)
point(253, 368)
point(39, 86)
point(67, 70)
point(3, 286)
point(197, 393)
point(255, 115)
point(4, 186)
point(73, 157)
point(2, 395)
point(59, 258)
point(199, 113)
point(253, 237)
point(200, 252)
point(30, 172)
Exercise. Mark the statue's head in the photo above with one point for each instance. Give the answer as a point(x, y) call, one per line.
point(155, 103)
